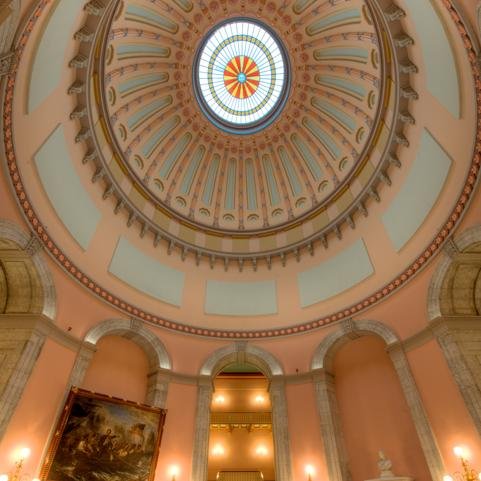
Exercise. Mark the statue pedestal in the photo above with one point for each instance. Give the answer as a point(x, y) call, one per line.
point(393, 478)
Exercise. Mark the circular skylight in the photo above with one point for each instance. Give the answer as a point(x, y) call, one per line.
point(241, 76)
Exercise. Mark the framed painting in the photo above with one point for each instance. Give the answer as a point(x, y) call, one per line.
point(103, 438)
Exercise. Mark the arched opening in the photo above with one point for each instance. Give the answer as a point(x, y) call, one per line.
point(118, 331)
point(454, 307)
point(118, 368)
point(21, 290)
point(241, 445)
point(393, 361)
point(242, 353)
point(27, 300)
point(373, 411)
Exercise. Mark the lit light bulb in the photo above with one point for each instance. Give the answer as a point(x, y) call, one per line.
point(35, 479)
point(446, 477)
point(479, 476)
point(24, 453)
point(174, 471)
point(262, 451)
point(219, 399)
point(260, 399)
point(3, 477)
point(218, 450)
point(309, 469)
point(459, 452)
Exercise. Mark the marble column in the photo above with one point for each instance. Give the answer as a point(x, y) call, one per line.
point(202, 429)
point(280, 431)
point(334, 447)
point(456, 355)
point(420, 419)
point(157, 388)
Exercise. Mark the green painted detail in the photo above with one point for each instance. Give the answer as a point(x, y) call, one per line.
point(71, 201)
point(174, 155)
point(141, 82)
point(307, 156)
point(141, 50)
point(160, 135)
point(192, 170)
point(337, 19)
point(294, 183)
point(251, 185)
point(271, 180)
point(301, 5)
point(147, 274)
point(210, 182)
point(338, 115)
point(326, 140)
point(51, 45)
point(150, 110)
point(344, 85)
point(354, 54)
point(241, 298)
point(437, 46)
point(185, 5)
point(335, 275)
point(419, 191)
point(229, 202)
point(150, 17)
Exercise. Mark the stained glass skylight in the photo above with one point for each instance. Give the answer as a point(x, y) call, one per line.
point(241, 76)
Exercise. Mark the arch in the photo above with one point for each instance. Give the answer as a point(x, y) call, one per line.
point(244, 352)
point(453, 247)
point(10, 11)
point(254, 355)
point(454, 309)
point(26, 289)
point(324, 353)
point(36, 279)
point(158, 357)
point(135, 331)
point(321, 365)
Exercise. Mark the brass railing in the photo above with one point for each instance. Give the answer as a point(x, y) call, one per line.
point(240, 418)
point(240, 476)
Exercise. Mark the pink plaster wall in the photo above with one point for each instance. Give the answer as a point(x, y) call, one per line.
point(374, 413)
point(448, 415)
point(178, 438)
point(118, 368)
point(304, 432)
point(35, 417)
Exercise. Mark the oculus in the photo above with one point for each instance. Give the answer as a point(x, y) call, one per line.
point(241, 76)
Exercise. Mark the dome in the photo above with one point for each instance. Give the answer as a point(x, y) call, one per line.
point(331, 199)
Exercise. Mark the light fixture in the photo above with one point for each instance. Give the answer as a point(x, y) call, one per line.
point(260, 399)
point(21, 456)
point(467, 473)
point(218, 450)
point(262, 450)
point(219, 399)
point(310, 471)
point(174, 471)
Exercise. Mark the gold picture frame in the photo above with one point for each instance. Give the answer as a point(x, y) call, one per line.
point(104, 437)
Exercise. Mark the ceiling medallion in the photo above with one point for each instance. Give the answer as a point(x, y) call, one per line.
point(241, 76)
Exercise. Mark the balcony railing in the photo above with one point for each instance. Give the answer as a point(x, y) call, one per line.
point(241, 420)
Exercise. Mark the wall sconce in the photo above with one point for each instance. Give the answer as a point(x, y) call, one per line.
point(219, 399)
point(310, 471)
point(23, 455)
point(174, 471)
point(467, 473)
point(260, 399)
